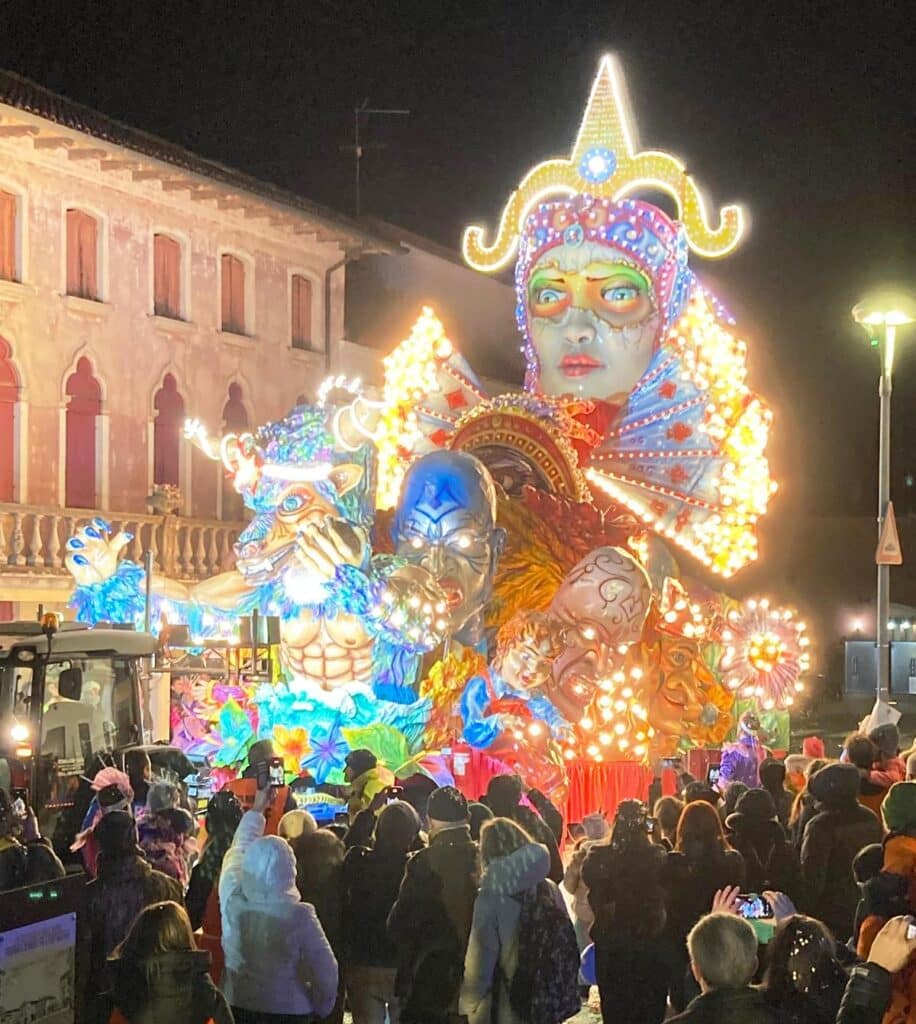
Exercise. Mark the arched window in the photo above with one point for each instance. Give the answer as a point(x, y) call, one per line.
point(169, 406)
point(301, 312)
point(84, 405)
point(82, 255)
point(9, 396)
point(9, 236)
point(235, 421)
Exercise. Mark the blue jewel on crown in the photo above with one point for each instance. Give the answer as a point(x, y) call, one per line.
point(574, 235)
point(598, 164)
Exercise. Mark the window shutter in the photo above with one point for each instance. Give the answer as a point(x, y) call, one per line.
point(301, 327)
point(8, 212)
point(166, 276)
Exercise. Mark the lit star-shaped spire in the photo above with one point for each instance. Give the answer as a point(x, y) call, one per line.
point(605, 162)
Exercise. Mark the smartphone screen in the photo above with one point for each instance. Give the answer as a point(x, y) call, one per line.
point(19, 798)
point(395, 793)
point(712, 774)
point(275, 770)
point(753, 907)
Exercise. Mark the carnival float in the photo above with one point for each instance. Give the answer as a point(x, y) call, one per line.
point(506, 574)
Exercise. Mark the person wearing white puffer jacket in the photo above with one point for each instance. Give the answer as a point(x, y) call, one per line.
point(279, 966)
point(513, 864)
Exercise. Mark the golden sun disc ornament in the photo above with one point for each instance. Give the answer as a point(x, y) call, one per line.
point(605, 162)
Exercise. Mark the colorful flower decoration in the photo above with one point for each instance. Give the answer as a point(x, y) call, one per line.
point(236, 734)
point(292, 744)
point(328, 753)
point(765, 654)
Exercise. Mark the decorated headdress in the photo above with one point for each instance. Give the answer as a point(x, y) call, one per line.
point(603, 168)
point(606, 165)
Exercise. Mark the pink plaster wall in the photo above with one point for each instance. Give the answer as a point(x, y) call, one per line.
point(129, 349)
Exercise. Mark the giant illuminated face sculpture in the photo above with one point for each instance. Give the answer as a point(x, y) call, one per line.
point(597, 283)
point(446, 523)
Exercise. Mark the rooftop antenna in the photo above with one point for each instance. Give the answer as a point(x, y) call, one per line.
point(358, 147)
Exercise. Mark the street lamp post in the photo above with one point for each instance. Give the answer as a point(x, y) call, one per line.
point(889, 310)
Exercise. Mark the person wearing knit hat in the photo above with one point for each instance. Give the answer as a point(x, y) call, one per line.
point(889, 767)
point(478, 813)
point(813, 746)
point(125, 885)
point(770, 860)
point(504, 798)
point(831, 841)
point(296, 823)
point(430, 922)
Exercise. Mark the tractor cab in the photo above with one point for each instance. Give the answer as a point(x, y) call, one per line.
point(69, 702)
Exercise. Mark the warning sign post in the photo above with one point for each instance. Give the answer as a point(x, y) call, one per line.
point(889, 552)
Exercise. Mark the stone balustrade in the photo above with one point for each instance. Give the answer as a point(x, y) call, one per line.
point(33, 539)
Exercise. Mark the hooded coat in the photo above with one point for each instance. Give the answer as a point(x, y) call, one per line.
point(278, 959)
point(492, 955)
point(831, 841)
point(167, 988)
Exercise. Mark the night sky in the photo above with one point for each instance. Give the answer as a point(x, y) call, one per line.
point(802, 113)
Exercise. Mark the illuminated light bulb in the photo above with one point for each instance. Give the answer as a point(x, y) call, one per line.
point(639, 750)
point(587, 724)
point(623, 743)
point(414, 601)
point(636, 672)
point(535, 729)
point(592, 750)
point(627, 692)
point(604, 738)
point(589, 633)
point(620, 728)
point(620, 705)
point(606, 716)
point(569, 754)
point(578, 689)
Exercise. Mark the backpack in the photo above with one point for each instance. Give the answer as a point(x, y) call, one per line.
point(545, 987)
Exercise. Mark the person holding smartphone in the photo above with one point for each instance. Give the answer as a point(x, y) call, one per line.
point(278, 962)
point(25, 857)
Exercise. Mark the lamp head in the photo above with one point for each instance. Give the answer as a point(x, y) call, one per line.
point(888, 307)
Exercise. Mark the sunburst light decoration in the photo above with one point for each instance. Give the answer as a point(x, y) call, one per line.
point(766, 654)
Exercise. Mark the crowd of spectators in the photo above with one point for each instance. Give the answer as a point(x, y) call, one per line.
point(787, 903)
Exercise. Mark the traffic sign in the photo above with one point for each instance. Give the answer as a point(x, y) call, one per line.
point(889, 552)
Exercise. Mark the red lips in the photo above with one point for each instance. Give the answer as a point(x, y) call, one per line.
point(579, 365)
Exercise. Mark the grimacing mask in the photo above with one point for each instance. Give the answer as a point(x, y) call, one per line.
point(446, 523)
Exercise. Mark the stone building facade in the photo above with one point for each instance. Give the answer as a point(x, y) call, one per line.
point(140, 284)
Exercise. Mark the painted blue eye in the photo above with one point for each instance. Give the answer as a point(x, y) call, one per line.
point(74, 544)
point(80, 559)
point(100, 524)
point(292, 503)
point(128, 535)
point(548, 295)
point(621, 293)
point(92, 532)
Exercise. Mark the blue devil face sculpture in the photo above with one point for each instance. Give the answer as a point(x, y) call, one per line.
point(446, 523)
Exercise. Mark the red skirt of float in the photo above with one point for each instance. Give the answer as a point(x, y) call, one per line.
point(592, 786)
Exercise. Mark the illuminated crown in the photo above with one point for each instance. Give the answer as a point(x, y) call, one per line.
point(605, 164)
